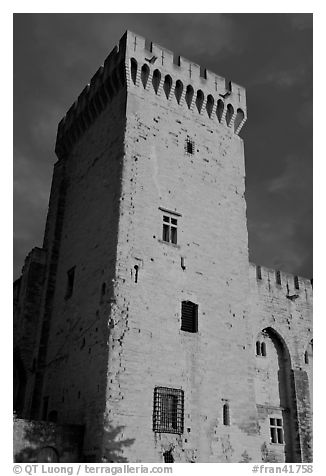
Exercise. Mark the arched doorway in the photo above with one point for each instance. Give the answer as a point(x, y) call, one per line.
point(275, 398)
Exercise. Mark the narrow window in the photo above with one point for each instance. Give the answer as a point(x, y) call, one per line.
point(170, 225)
point(70, 282)
point(306, 357)
point(263, 349)
point(229, 113)
point(258, 350)
point(278, 277)
point(178, 90)
point(189, 95)
point(220, 109)
point(258, 272)
point(168, 410)
point(189, 316)
point(45, 408)
point(133, 68)
point(296, 282)
point(156, 80)
point(199, 100)
point(168, 457)
point(136, 267)
point(144, 74)
point(226, 414)
point(276, 430)
point(209, 105)
point(167, 85)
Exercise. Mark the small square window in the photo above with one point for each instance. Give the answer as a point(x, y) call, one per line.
point(168, 410)
point(276, 430)
point(189, 316)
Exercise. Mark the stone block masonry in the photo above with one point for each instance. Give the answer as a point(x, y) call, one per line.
point(160, 337)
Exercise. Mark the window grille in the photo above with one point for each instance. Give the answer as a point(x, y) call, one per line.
point(168, 410)
point(276, 430)
point(278, 277)
point(189, 316)
point(189, 146)
point(168, 457)
point(296, 282)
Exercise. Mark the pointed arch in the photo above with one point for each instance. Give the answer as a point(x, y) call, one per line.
point(199, 100)
point(178, 90)
point(209, 105)
point(144, 75)
point(133, 69)
point(238, 119)
point(220, 109)
point(229, 113)
point(189, 95)
point(167, 85)
point(156, 79)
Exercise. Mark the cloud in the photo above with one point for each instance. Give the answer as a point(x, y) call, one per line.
point(296, 176)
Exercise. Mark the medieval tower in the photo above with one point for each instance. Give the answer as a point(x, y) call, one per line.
point(141, 315)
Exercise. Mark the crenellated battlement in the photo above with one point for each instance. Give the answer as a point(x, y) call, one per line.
point(138, 62)
point(292, 285)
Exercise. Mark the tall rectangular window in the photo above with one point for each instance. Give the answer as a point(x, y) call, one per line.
point(170, 225)
point(168, 410)
point(70, 282)
point(276, 430)
point(189, 316)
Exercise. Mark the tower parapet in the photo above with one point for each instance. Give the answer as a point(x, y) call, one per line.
point(136, 62)
point(292, 286)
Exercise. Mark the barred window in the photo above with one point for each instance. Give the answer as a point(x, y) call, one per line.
point(168, 410)
point(168, 457)
point(278, 277)
point(189, 146)
point(189, 316)
point(276, 430)
point(226, 414)
point(296, 282)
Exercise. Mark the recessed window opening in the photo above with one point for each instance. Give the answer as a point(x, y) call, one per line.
point(189, 316)
point(199, 100)
point(178, 90)
point(296, 282)
point(70, 282)
point(136, 268)
point(144, 74)
point(156, 80)
point(258, 349)
point(167, 85)
point(220, 109)
point(263, 349)
point(133, 69)
point(306, 357)
point(276, 430)
point(170, 232)
point(189, 95)
point(226, 414)
point(258, 272)
point(168, 457)
point(168, 410)
point(229, 113)
point(278, 277)
point(209, 105)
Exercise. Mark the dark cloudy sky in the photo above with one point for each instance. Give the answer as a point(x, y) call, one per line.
point(55, 55)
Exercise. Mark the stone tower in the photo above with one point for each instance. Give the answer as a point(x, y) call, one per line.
point(153, 329)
